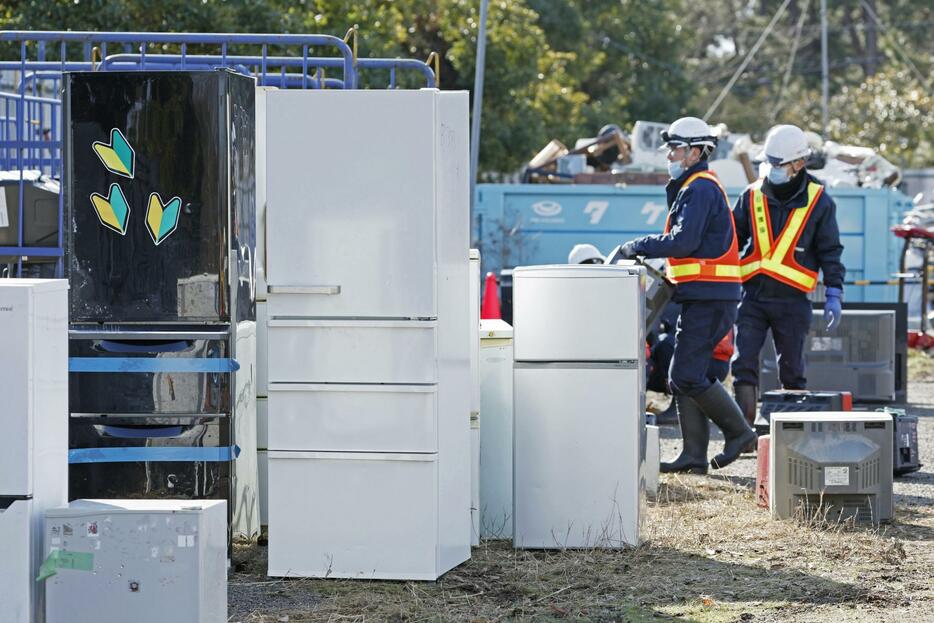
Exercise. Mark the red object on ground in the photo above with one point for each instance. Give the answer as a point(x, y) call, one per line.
point(913, 337)
point(490, 308)
point(847, 399)
point(762, 475)
point(925, 341)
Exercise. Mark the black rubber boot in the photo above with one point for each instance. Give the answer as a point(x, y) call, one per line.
point(717, 404)
point(695, 435)
point(746, 396)
point(668, 417)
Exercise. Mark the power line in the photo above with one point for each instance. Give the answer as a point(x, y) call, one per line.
point(791, 60)
point(895, 45)
point(752, 52)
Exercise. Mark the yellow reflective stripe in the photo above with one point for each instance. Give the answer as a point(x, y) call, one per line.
point(797, 276)
point(684, 270)
point(749, 268)
point(763, 235)
point(791, 232)
point(720, 270)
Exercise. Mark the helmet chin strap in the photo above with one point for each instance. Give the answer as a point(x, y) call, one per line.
point(688, 160)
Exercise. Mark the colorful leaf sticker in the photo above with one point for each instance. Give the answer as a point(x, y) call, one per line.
point(118, 156)
point(162, 218)
point(113, 211)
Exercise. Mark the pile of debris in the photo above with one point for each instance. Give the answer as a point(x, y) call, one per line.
point(613, 157)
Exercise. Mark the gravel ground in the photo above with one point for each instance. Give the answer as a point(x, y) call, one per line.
point(710, 556)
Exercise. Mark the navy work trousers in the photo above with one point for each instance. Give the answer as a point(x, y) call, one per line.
point(790, 321)
point(661, 360)
point(701, 326)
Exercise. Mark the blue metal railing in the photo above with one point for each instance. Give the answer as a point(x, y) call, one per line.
point(31, 120)
point(178, 61)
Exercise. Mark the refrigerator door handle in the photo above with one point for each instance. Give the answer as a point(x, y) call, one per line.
point(304, 289)
point(117, 346)
point(142, 432)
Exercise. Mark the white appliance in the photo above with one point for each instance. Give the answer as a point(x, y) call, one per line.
point(652, 458)
point(146, 561)
point(474, 397)
point(496, 432)
point(34, 444)
point(262, 376)
point(262, 408)
point(579, 400)
point(367, 222)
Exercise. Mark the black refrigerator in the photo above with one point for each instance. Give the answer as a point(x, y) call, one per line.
point(159, 243)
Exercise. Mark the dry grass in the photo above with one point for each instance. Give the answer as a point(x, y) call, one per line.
point(710, 555)
point(920, 366)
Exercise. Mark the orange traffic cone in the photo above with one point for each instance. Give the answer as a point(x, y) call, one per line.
point(490, 308)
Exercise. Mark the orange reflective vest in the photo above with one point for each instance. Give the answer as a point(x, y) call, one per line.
point(721, 269)
point(775, 257)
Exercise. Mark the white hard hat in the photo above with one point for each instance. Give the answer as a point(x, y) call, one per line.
point(784, 144)
point(585, 253)
point(689, 131)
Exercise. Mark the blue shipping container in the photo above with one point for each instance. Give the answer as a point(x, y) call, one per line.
point(522, 224)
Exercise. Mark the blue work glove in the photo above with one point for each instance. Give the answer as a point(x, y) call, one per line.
point(628, 250)
point(833, 307)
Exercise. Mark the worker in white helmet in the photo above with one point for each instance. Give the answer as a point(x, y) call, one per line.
point(787, 230)
point(585, 254)
point(703, 261)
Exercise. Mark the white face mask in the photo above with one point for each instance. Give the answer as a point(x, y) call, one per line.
point(675, 169)
point(778, 175)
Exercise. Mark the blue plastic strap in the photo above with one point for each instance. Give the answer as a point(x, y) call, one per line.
point(151, 364)
point(151, 454)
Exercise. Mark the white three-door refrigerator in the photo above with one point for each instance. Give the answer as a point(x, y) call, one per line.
point(34, 444)
point(368, 334)
point(579, 416)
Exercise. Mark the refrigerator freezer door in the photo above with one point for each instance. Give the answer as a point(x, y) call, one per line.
point(380, 520)
point(577, 457)
point(149, 471)
point(17, 580)
point(350, 223)
point(353, 351)
point(353, 418)
point(577, 313)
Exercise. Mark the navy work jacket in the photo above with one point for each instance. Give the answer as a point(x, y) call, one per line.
point(699, 219)
point(818, 247)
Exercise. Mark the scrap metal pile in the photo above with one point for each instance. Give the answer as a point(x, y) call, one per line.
point(614, 157)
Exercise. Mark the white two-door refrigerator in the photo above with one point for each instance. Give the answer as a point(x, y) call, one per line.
point(367, 240)
point(34, 444)
point(579, 398)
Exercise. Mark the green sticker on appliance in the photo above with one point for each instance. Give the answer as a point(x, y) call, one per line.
point(58, 559)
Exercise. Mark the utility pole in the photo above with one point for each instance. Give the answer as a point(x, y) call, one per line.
point(825, 78)
point(477, 105)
